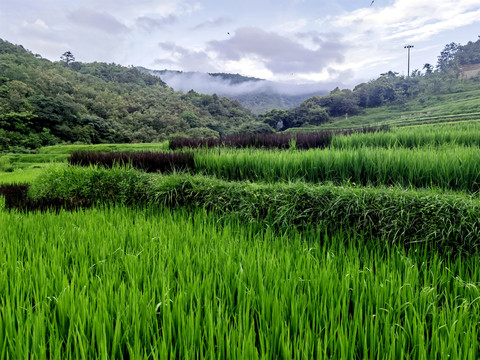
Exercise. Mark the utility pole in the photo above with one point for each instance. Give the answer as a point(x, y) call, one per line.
point(408, 47)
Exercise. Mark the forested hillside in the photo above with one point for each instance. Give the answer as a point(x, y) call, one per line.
point(44, 103)
point(422, 86)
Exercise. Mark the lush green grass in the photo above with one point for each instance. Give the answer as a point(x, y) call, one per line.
point(122, 283)
point(270, 267)
point(463, 133)
point(447, 222)
point(450, 167)
point(68, 149)
point(21, 175)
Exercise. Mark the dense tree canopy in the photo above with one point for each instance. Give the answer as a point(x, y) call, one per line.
point(43, 103)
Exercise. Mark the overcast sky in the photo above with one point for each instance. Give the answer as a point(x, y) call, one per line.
point(300, 41)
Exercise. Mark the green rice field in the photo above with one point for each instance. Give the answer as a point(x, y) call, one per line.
point(368, 249)
point(125, 283)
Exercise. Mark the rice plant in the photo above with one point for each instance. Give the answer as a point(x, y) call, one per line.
point(447, 221)
point(124, 283)
point(452, 167)
point(463, 134)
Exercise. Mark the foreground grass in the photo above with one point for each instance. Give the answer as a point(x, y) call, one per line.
point(113, 283)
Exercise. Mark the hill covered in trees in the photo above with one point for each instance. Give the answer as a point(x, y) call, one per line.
point(45, 103)
point(448, 77)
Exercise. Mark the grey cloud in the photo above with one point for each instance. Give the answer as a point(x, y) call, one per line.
point(185, 58)
point(330, 43)
point(212, 23)
point(148, 23)
point(278, 53)
point(101, 21)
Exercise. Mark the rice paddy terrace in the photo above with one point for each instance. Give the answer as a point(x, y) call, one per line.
point(347, 245)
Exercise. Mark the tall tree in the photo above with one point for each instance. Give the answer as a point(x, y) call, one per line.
point(67, 57)
point(446, 60)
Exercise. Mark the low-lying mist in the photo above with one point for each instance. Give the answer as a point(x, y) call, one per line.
point(212, 84)
point(267, 94)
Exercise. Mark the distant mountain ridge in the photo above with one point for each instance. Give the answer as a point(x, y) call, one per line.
point(256, 94)
point(234, 79)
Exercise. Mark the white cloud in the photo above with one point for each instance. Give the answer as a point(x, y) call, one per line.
point(292, 26)
point(41, 24)
point(408, 19)
point(376, 35)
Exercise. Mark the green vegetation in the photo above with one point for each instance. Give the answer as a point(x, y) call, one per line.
point(447, 221)
point(23, 168)
point(69, 149)
point(44, 103)
point(93, 285)
point(464, 133)
point(451, 167)
point(367, 248)
point(20, 175)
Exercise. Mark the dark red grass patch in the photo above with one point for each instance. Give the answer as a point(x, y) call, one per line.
point(147, 161)
point(317, 139)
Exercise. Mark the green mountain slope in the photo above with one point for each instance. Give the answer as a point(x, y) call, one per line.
point(44, 103)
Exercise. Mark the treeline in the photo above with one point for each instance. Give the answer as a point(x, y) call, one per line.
point(45, 103)
point(388, 89)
